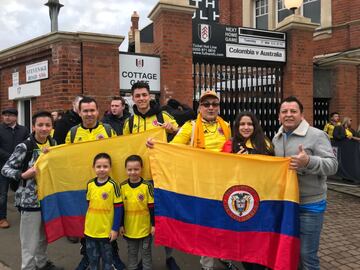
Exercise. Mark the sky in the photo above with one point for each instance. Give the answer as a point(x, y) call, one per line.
point(22, 20)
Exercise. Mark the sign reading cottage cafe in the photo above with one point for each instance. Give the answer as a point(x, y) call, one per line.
point(137, 67)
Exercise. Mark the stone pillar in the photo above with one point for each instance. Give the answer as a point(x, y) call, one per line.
point(173, 42)
point(298, 72)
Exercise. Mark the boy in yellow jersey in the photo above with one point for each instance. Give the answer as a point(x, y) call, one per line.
point(102, 219)
point(20, 167)
point(138, 221)
point(147, 115)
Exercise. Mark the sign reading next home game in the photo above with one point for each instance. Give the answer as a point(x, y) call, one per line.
point(135, 67)
point(216, 40)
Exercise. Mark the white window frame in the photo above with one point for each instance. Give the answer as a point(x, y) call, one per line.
point(255, 16)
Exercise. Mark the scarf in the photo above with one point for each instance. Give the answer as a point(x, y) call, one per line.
point(199, 139)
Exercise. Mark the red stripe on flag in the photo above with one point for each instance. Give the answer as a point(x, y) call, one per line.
point(64, 226)
point(277, 251)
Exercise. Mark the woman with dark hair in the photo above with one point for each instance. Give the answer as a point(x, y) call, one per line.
point(249, 138)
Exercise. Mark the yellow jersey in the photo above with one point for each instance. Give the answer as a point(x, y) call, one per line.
point(329, 129)
point(89, 134)
point(102, 198)
point(137, 199)
point(141, 124)
point(213, 135)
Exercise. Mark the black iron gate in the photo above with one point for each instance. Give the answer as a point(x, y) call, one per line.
point(321, 112)
point(242, 85)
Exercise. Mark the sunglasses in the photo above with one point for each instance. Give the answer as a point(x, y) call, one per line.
point(208, 104)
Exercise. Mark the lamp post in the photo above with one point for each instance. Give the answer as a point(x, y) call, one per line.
point(54, 9)
point(293, 4)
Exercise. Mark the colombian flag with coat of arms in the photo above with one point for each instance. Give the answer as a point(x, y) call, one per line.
point(237, 207)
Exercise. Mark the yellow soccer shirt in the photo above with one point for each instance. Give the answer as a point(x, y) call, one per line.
point(87, 134)
point(137, 201)
point(213, 135)
point(100, 214)
point(141, 124)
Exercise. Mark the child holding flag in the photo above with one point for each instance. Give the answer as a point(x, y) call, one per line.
point(102, 219)
point(138, 222)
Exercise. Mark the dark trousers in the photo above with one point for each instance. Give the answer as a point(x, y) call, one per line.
point(4, 187)
point(96, 249)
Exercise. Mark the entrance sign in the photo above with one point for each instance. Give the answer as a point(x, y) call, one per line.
point(27, 90)
point(139, 67)
point(207, 10)
point(37, 71)
point(217, 40)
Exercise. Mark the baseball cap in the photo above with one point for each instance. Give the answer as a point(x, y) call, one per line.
point(10, 111)
point(208, 93)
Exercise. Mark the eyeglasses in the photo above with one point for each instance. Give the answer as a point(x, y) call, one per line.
point(208, 104)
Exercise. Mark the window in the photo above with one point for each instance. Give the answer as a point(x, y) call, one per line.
point(282, 12)
point(261, 14)
point(311, 9)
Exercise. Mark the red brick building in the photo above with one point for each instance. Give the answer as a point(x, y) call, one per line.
point(322, 68)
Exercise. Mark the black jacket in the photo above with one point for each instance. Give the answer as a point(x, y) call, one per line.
point(115, 122)
point(9, 138)
point(69, 119)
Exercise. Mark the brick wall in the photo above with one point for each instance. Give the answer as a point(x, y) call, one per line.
point(75, 67)
point(345, 98)
point(100, 72)
point(298, 72)
point(173, 42)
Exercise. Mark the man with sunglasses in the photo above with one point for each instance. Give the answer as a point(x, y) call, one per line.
point(209, 131)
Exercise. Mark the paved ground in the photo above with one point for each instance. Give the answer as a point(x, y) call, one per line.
point(340, 242)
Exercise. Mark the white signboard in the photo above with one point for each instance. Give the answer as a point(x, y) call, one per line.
point(262, 42)
point(135, 68)
point(255, 53)
point(24, 91)
point(37, 71)
point(15, 78)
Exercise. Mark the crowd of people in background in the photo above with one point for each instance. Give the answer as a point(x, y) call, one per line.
point(309, 148)
point(340, 130)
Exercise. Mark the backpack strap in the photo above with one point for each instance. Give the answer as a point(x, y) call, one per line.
point(73, 131)
point(108, 129)
point(160, 117)
point(131, 123)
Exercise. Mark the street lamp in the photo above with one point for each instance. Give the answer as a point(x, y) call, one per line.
point(292, 4)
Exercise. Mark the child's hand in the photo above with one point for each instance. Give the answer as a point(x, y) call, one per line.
point(29, 173)
point(152, 230)
point(113, 235)
point(122, 230)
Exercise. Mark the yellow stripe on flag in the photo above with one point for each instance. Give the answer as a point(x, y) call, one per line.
point(69, 167)
point(207, 174)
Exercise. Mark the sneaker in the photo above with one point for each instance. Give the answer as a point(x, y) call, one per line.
point(171, 264)
point(49, 266)
point(117, 263)
point(4, 224)
point(84, 264)
point(229, 265)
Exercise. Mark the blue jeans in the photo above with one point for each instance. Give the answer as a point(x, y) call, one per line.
point(310, 230)
point(4, 187)
point(99, 248)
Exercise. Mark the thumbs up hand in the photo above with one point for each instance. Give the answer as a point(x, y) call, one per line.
point(300, 160)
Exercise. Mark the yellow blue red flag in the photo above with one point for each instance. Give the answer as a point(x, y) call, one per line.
point(242, 208)
point(62, 175)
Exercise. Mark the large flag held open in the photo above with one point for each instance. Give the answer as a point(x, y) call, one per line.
point(243, 208)
point(64, 171)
